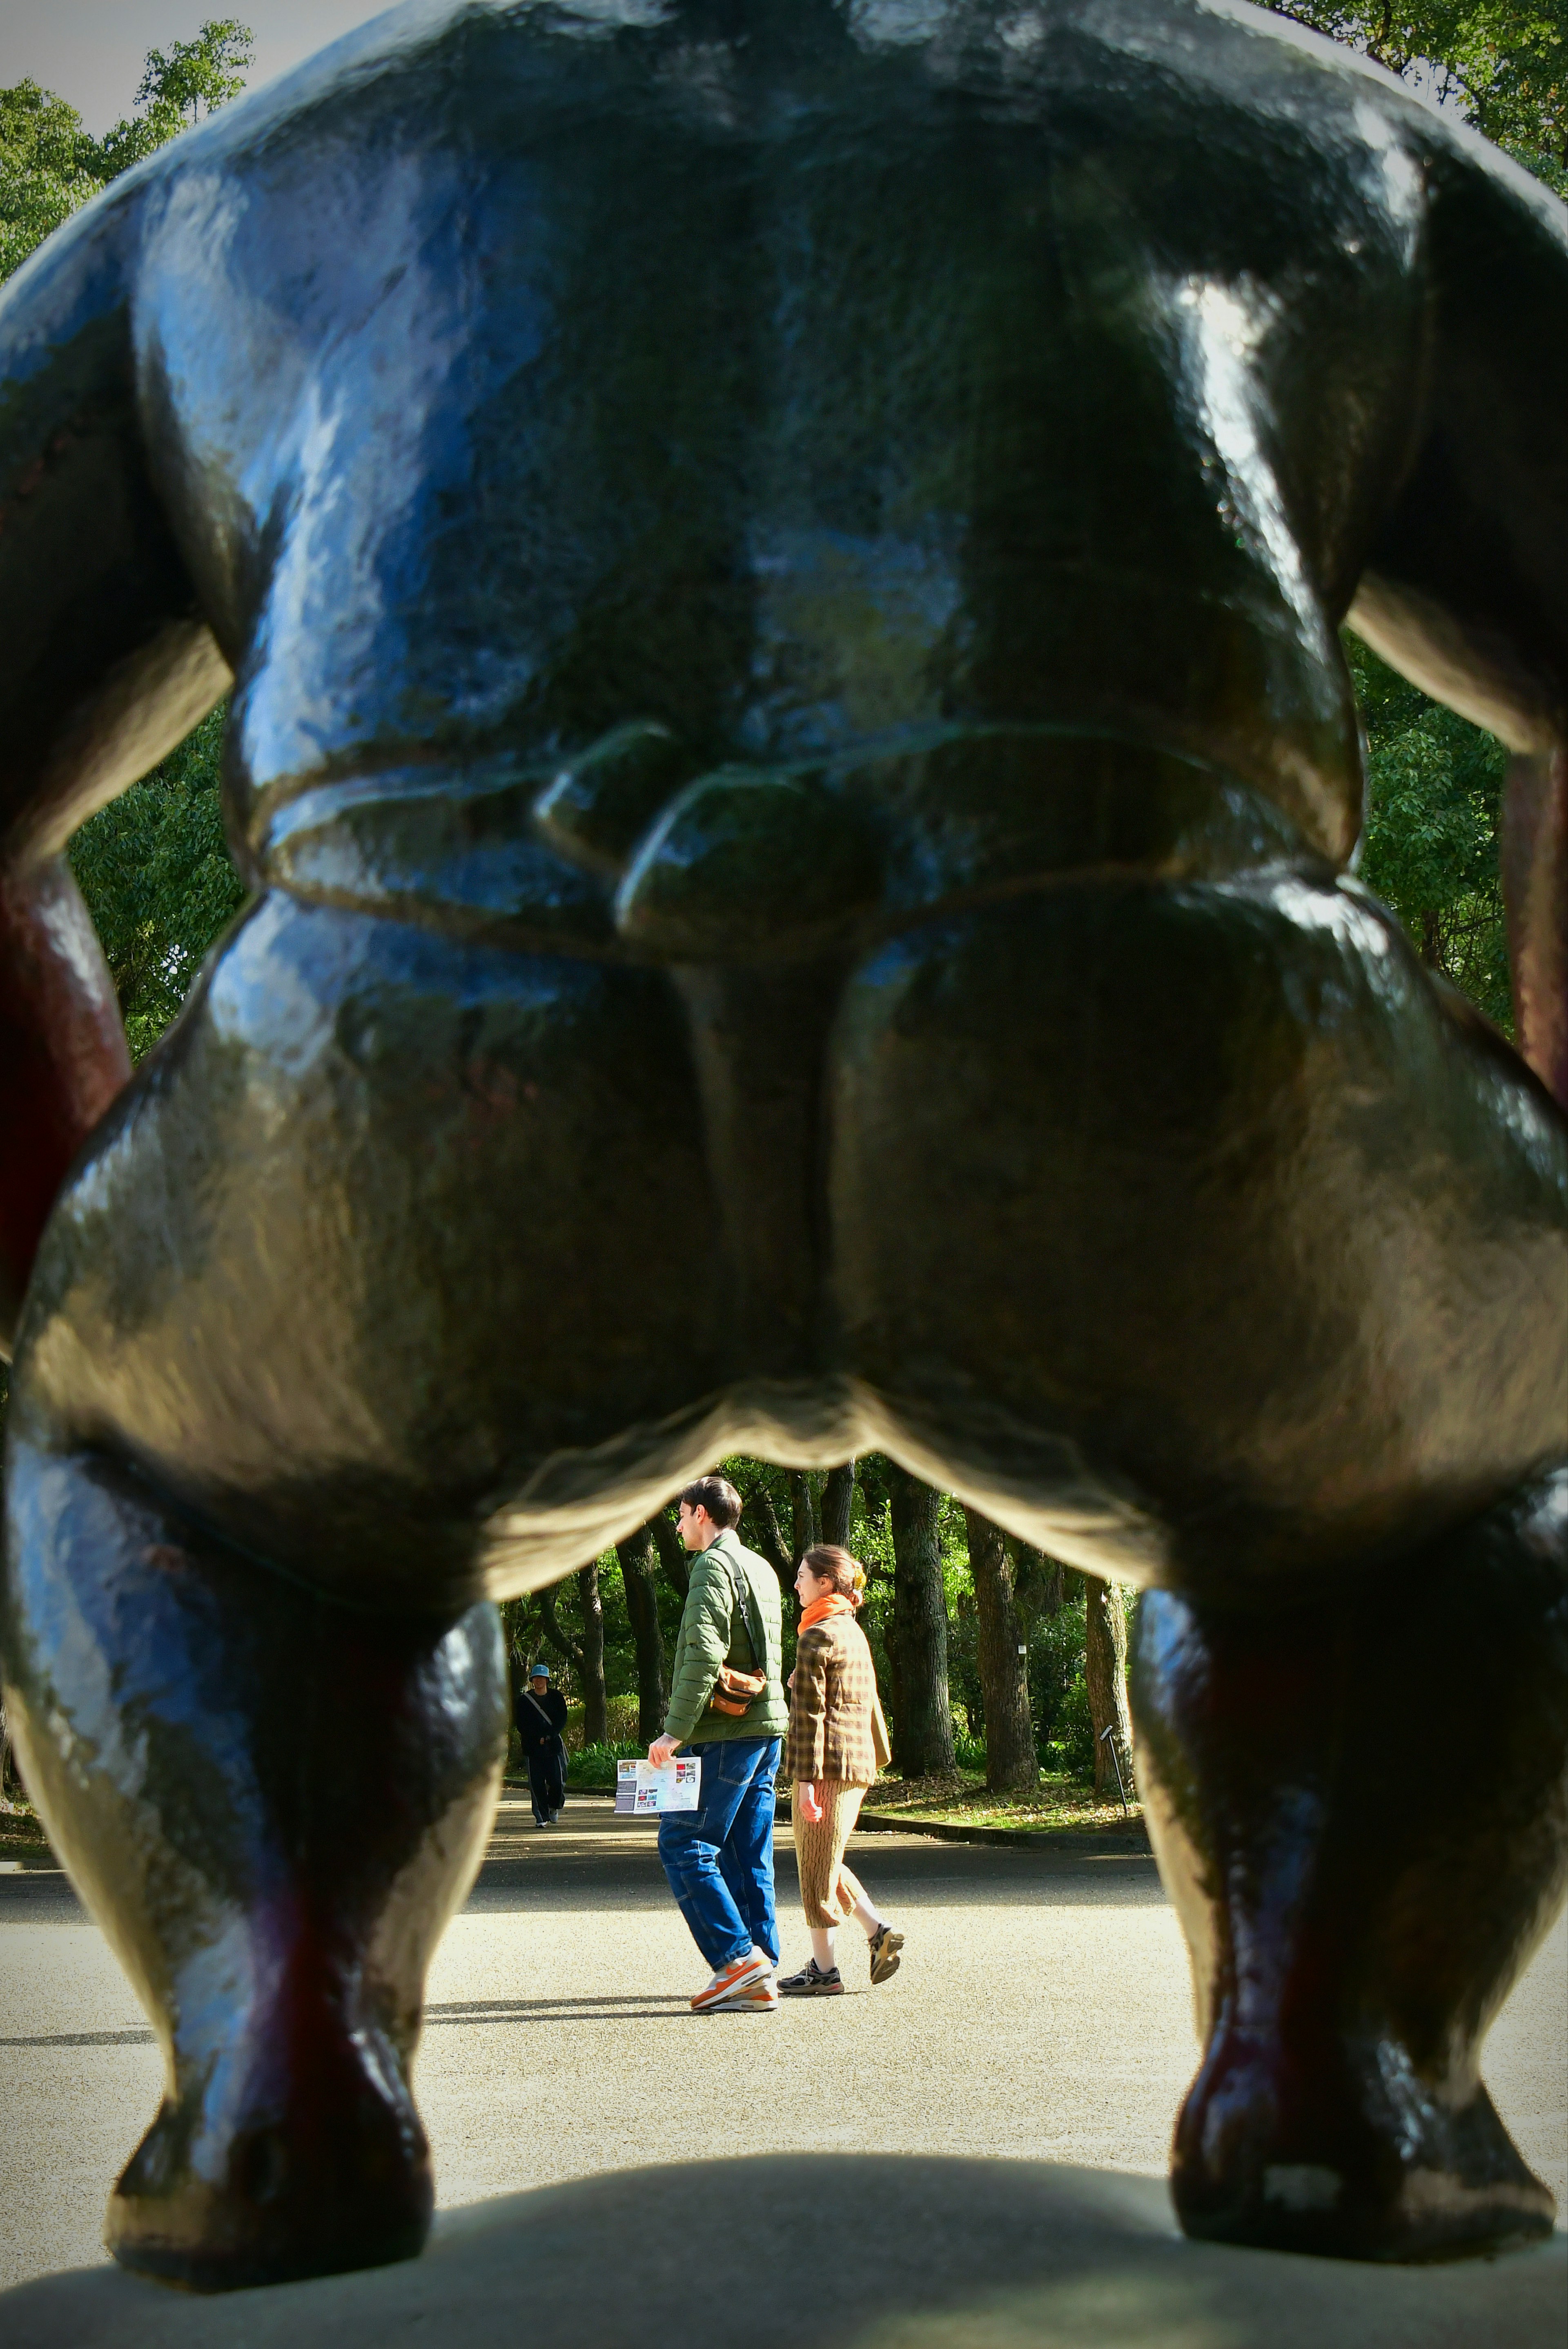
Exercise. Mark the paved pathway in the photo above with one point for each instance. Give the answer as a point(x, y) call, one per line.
point(1043, 2011)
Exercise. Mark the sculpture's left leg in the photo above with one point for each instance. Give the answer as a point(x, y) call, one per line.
point(272, 1803)
point(1361, 1878)
point(372, 1294)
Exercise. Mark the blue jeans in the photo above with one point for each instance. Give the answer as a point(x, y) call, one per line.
point(720, 1858)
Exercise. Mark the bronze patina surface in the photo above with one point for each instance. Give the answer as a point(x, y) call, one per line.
point(779, 564)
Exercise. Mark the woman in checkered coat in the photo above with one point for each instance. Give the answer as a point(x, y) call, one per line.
point(837, 1743)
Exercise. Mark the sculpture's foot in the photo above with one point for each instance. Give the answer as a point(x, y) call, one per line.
point(1360, 1884)
point(1363, 2163)
point(340, 2176)
point(271, 1804)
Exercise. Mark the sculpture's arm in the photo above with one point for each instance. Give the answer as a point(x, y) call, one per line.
point(104, 664)
point(1466, 590)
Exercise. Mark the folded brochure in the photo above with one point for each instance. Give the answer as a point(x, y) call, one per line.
point(642, 1791)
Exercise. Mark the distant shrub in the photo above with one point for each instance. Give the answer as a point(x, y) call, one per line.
point(1056, 1669)
point(620, 1719)
point(592, 1768)
point(1074, 1738)
point(1072, 1753)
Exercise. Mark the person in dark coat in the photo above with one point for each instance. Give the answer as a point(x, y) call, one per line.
point(541, 1715)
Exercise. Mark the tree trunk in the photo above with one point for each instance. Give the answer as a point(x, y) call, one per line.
point(1037, 1581)
point(837, 1495)
point(10, 1777)
point(807, 1524)
point(671, 1553)
point(1431, 940)
point(1012, 1765)
point(514, 1613)
point(760, 1531)
point(570, 1650)
point(922, 1722)
point(596, 1714)
point(1106, 1677)
point(637, 1563)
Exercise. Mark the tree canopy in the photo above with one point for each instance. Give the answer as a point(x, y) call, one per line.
point(1501, 64)
point(154, 867)
point(49, 165)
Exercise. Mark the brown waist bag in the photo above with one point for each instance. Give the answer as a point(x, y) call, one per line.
point(735, 1691)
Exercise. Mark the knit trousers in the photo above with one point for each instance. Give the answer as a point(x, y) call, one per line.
point(828, 1890)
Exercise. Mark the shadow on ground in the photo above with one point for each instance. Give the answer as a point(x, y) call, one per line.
point(594, 1857)
point(827, 2252)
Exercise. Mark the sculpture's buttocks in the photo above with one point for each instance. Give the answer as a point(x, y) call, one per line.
point(868, 412)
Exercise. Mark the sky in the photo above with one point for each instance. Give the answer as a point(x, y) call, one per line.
point(91, 51)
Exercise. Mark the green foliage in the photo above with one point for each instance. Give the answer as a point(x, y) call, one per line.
point(49, 165)
point(178, 88)
point(155, 870)
point(1058, 1693)
point(1434, 782)
point(1502, 64)
point(621, 1718)
point(154, 867)
point(1434, 814)
point(592, 1768)
point(525, 1636)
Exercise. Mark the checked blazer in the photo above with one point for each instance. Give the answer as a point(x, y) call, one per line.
point(836, 1725)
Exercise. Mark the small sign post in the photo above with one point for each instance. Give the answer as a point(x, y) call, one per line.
point(1117, 1760)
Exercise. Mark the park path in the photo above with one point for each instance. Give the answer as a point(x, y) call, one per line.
point(1043, 2011)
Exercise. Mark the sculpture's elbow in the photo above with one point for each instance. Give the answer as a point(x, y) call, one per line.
point(63, 1059)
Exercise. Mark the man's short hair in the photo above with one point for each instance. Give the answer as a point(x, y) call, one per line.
point(717, 1497)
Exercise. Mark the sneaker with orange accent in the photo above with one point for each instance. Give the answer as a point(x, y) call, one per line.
point(739, 1974)
point(762, 1998)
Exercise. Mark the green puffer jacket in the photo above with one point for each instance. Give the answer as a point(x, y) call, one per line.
point(714, 1631)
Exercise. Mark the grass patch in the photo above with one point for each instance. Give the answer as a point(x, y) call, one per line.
point(591, 1769)
point(22, 1836)
point(1060, 1802)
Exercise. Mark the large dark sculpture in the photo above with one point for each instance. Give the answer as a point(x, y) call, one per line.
point(780, 563)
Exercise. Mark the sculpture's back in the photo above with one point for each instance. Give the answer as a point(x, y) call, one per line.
point(781, 569)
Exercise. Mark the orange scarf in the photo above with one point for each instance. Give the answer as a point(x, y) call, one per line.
point(834, 1604)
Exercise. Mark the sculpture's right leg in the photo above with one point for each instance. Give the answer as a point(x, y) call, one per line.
point(272, 1805)
point(1360, 1876)
point(1261, 1292)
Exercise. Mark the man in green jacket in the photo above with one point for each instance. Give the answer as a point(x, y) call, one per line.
point(720, 1858)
